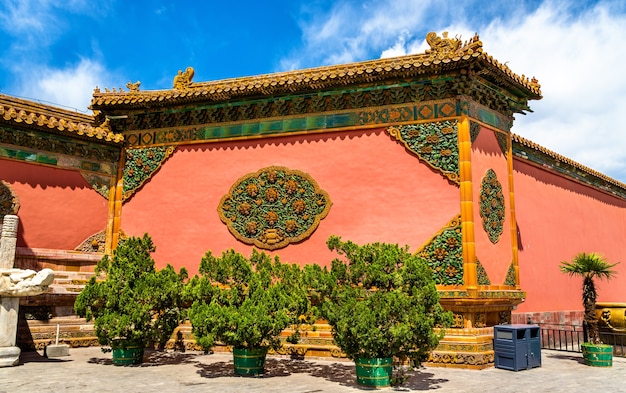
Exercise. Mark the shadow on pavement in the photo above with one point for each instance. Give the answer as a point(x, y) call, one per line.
point(160, 358)
point(340, 373)
point(343, 374)
point(421, 380)
point(152, 358)
point(35, 357)
point(563, 356)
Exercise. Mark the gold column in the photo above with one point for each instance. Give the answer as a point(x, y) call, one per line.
point(467, 205)
point(514, 245)
point(115, 206)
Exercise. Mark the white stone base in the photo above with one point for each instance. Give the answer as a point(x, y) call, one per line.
point(56, 350)
point(9, 356)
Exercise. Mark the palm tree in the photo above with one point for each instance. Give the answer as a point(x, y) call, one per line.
point(589, 266)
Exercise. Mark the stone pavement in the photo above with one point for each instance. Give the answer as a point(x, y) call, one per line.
point(90, 370)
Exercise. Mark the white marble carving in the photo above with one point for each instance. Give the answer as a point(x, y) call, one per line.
point(18, 282)
point(14, 283)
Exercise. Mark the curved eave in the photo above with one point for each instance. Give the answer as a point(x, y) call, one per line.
point(502, 75)
point(15, 112)
point(591, 177)
point(312, 80)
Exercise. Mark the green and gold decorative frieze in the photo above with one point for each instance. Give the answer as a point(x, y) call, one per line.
point(274, 207)
point(327, 111)
point(474, 130)
point(503, 142)
point(510, 275)
point(444, 254)
point(352, 100)
point(481, 274)
point(58, 160)
point(183, 132)
point(9, 204)
point(101, 184)
point(501, 294)
point(141, 164)
point(487, 294)
point(488, 116)
point(52, 143)
point(492, 206)
point(435, 143)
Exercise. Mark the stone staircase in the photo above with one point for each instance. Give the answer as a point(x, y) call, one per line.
point(40, 315)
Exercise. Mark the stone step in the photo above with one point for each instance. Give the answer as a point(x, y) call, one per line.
point(73, 331)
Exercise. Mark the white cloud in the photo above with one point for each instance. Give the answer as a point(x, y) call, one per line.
point(352, 31)
point(398, 49)
point(31, 20)
point(35, 25)
point(70, 87)
point(23, 16)
point(574, 49)
point(579, 63)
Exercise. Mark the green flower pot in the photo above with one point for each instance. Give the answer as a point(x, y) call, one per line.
point(597, 355)
point(126, 353)
point(374, 372)
point(249, 361)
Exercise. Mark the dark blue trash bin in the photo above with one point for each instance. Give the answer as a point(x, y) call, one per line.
point(517, 347)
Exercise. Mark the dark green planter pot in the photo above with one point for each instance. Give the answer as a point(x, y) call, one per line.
point(374, 372)
point(598, 355)
point(126, 353)
point(249, 361)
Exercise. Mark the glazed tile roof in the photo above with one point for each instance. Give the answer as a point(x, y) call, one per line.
point(445, 54)
point(569, 167)
point(16, 111)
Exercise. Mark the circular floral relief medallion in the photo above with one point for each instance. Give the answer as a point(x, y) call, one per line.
point(274, 207)
point(492, 206)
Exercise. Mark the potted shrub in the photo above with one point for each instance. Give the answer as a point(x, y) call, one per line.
point(382, 304)
point(246, 304)
point(132, 304)
point(589, 266)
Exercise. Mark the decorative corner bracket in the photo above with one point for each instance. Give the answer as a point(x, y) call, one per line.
point(141, 164)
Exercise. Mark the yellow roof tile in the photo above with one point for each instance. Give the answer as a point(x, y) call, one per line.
point(15, 111)
point(560, 158)
point(445, 53)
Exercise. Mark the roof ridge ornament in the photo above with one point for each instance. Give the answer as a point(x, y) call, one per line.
point(182, 81)
point(444, 47)
point(133, 87)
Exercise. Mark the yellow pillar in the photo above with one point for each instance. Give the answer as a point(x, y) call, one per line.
point(467, 205)
point(514, 245)
point(115, 206)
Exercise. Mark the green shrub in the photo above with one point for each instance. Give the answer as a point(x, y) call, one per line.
point(246, 303)
point(134, 301)
point(381, 301)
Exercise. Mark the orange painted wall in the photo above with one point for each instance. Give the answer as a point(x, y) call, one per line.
point(58, 208)
point(557, 218)
point(495, 258)
point(379, 191)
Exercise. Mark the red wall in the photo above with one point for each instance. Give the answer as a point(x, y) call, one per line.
point(495, 258)
point(58, 208)
point(558, 218)
point(379, 191)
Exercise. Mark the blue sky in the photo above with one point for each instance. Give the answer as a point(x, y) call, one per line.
point(58, 51)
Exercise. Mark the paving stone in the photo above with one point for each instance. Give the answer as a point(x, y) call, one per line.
point(90, 370)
